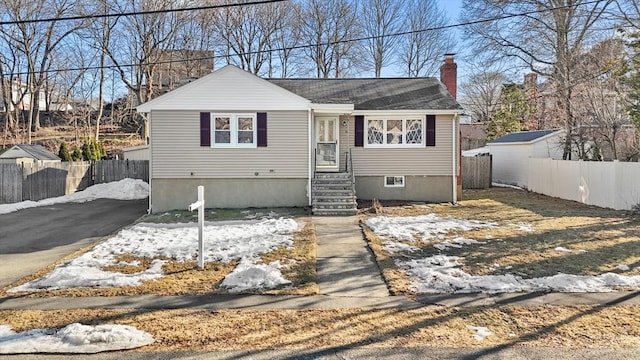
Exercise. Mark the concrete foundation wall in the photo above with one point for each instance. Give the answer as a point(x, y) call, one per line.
point(417, 188)
point(170, 194)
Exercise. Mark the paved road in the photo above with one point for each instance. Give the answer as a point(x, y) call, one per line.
point(498, 353)
point(34, 238)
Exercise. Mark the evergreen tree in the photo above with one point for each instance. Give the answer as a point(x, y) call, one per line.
point(93, 150)
point(514, 110)
point(64, 153)
point(77, 154)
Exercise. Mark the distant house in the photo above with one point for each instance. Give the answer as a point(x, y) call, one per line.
point(511, 153)
point(256, 142)
point(140, 152)
point(16, 94)
point(28, 154)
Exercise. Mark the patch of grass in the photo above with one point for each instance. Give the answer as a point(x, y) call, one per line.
point(302, 270)
point(599, 239)
point(182, 216)
point(201, 330)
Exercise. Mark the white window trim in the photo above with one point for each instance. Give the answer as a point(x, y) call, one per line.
point(394, 185)
point(234, 131)
point(404, 118)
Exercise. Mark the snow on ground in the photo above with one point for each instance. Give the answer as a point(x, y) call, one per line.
point(495, 184)
point(424, 226)
point(481, 332)
point(396, 247)
point(442, 273)
point(562, 249)
point(223, 242)
point(249, 275)
point(74, 338)
point(126, 189)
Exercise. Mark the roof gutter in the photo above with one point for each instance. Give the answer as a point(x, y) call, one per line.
point(408, 111)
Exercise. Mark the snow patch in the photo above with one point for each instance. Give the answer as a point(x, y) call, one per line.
point(424, 226)
point(495, 184)
point(126, 189)
point(623, 267)
point(481, 332)
point(227, 242)
point(73, 338)
point(562, 249)
point(249, 275)
point(441, 274)
point(397, 247)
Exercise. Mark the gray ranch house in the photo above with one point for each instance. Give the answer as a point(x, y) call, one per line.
point(256, 142)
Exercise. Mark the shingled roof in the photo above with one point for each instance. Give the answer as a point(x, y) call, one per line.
point(374, 94)
point(37, 152)
point(523, 136)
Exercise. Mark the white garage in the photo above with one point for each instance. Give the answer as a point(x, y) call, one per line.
point(511, 154)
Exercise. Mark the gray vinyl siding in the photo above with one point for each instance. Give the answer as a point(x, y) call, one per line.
point(176, 150)
point(427, 160)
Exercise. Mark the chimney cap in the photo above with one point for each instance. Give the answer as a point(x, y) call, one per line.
point(449, 54)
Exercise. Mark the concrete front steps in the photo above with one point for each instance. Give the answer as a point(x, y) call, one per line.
point(333, 194)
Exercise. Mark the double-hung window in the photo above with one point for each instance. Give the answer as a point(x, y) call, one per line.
point(401, 131)
point(233, 130)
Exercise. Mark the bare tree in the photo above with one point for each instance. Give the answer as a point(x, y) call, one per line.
point(482, 94)
point(379, 19)
point(137, 43)
point(548, 38)
point(38, 43)
point(420, 52)
point(327, 25)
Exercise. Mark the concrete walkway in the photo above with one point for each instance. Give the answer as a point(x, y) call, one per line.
point(345, 265)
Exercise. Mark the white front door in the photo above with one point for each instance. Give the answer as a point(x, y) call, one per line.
point(327, 152)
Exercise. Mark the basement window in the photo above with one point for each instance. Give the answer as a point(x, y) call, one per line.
point(394, 181)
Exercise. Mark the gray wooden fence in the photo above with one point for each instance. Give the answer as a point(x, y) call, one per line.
point(10, 183)
point(116, 170)
point(476, 172)
point(37, 182)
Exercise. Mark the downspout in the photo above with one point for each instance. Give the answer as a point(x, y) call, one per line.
point(150, 161)
point(454, 158)
point(309, 123)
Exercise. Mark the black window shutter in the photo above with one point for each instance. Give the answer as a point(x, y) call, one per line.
point(205, 129)
point(431, 131)
point(359, 140)
point(262, 129)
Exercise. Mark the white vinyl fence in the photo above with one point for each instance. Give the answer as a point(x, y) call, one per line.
point(613, 185)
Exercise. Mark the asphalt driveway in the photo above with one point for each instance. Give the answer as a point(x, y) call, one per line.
point(34, 238)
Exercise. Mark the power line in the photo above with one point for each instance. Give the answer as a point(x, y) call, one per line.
point(134, 13)
point(296, 47)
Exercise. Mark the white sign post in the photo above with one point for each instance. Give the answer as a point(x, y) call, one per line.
point(200, 206)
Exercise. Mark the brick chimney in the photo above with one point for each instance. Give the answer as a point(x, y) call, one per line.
point(449, 74)
point(530, 80)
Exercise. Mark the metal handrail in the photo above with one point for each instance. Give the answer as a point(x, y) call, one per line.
point(350, 170)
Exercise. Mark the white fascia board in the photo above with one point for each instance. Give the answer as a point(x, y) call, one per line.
point(294, 101)
point(511, 143)
point(555, 133)
point(408, 111)
point(332, 108)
